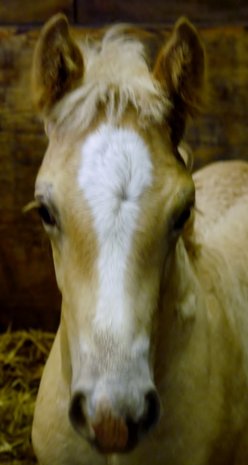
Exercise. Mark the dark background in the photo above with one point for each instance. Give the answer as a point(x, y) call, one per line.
point(28, 293)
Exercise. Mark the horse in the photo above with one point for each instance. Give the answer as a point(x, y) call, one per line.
point(150, 361)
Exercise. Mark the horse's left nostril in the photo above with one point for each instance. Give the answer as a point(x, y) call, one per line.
point(76, 412)
point(152, 411)
point(147, 422)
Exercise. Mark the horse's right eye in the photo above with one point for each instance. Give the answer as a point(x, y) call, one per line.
point(46, 215)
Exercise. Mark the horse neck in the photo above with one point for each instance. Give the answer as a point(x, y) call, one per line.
point(181, 311)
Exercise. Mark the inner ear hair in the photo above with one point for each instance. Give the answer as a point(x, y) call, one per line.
point(186, 154)
point(180, 69)
point(57, 64)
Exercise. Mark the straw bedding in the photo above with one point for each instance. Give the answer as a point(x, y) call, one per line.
point(22, 357)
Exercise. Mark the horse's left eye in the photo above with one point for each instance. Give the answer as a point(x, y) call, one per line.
point(182, 218)
point(46, 215)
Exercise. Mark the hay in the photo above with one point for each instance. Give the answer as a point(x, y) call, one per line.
point(22, 357)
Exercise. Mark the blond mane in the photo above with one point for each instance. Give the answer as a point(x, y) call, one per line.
point(116, 75)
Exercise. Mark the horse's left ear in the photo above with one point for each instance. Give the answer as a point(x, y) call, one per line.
point(57, 64)
point(180, 70)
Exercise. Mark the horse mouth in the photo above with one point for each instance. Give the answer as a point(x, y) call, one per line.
point(105, 450)
point(115, 447)
point(117, 436)
point(111, 435)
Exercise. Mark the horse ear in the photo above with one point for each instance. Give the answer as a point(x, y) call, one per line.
point(180, 70)
point(57, 64)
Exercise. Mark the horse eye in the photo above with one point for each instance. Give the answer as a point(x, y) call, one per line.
point(46, 216)
point(181, 220)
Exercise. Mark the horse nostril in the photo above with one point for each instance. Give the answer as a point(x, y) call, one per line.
point(136, 430)
point(152, 411)
point(76, 412)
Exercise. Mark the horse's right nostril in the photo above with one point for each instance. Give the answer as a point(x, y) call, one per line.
point(76, 412)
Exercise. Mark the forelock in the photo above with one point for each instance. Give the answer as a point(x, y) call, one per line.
point(116, 76)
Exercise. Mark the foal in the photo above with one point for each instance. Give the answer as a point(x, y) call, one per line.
point(149, 364)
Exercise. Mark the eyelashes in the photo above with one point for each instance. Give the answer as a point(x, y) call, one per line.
point(46, 212)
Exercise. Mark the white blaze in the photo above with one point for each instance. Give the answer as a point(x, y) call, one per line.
point(115, 170)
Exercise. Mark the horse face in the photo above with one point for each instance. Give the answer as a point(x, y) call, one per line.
point(113, 198)
point(115, 205)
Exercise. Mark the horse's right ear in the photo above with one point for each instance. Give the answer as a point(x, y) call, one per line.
point(180, 70)
point(57, 64)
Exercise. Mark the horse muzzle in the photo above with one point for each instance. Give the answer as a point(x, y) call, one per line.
point(112, 432)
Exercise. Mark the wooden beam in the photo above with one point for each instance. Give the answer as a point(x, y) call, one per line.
point(30, 11)
point(159, 12)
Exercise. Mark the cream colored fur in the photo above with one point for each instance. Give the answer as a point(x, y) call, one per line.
point(202, 364)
